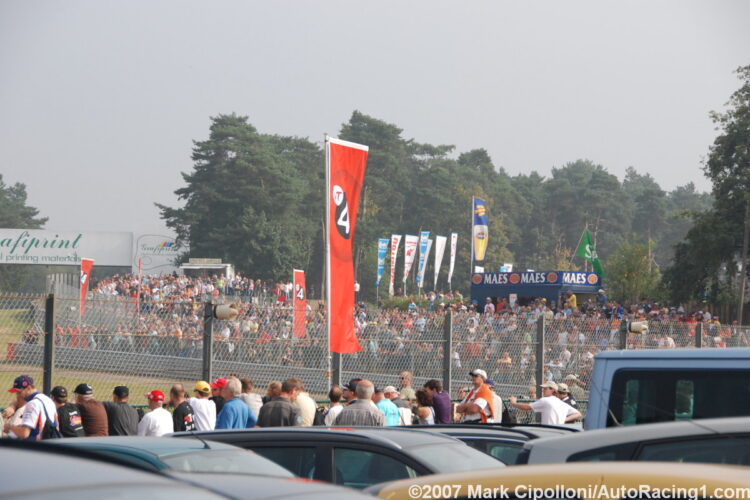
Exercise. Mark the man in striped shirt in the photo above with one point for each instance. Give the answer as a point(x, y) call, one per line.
point(362, 411)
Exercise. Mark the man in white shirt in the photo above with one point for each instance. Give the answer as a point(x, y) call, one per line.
point(158, 421)
point(204, 410)
point(554, 411)
point(35, 413)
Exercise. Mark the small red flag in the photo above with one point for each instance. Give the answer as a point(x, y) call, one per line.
point(86, 266)
point(300, 304)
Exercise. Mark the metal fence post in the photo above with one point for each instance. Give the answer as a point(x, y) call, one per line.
point(540, 331)
point(448, 352)
point(208, 340)
point(335, 368)
point(49, 342)
point(699, 335)
point(623, 334)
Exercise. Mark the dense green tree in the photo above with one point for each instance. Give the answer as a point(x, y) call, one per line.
point(16, 214)
point(709, 261)
point(247, 199)
point(630, 273)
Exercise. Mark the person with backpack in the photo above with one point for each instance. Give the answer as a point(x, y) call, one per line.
point(68, 416)
point(39, 419)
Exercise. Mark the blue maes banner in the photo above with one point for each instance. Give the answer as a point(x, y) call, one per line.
point(538, 278)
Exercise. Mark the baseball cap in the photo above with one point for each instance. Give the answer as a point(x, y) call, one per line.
point(550, 384)
point(121, 391)
point(84, 389)
point(352, 385)
point(59, 392)
point(389, 388)
point(480, 373)
point(155, 395)
point(219, 383)
point(563, 387)
point(202, 386)
point(490, 382)
point(21, 383)
point(571, 377)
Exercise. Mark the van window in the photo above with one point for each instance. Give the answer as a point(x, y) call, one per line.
point(645, 396)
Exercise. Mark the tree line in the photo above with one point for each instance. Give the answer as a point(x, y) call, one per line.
point(257, 200)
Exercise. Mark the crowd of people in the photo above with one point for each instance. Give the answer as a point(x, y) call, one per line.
point(232, 403)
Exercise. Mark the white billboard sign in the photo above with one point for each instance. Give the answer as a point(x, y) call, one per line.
point(157, 254)
point(65, 248)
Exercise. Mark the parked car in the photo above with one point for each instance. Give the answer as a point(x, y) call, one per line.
point(184, 455)
point(582, 481)
point(44, 472)
point(56, 470)
point(720, 440)
point(503, 442)
point(355, 457)
point(663, 385)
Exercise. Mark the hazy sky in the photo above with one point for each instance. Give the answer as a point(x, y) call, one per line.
point(100, 101)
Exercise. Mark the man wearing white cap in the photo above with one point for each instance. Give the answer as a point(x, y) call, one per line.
point(477, 406)
point(554, 411)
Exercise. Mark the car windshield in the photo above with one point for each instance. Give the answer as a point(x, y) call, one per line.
point(224, 461)
point(454, 458)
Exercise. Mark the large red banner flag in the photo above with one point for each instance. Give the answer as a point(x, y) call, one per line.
point(300, 304)
point(345, 173)
point(86, 266)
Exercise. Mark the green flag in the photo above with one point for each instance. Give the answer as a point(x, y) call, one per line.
point(587, 251)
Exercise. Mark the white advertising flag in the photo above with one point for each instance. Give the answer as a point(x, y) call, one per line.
point(454, 243)
point(439, 252)
point(410, 247)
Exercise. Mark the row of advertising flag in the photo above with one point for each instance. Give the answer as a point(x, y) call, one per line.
point(411, 242)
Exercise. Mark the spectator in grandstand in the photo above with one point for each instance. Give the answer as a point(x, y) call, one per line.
point(122, 418)
point(67, 413)
point(235, 414)
point(334, 396)
point(158, 421)
point(280, 411)
point(204, 410)
point(251, 399)
point(93, 413)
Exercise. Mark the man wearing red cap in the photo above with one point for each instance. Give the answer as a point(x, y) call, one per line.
point(158, 421)
point(216, 387)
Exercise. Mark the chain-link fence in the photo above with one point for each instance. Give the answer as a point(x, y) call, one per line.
point(153, 344)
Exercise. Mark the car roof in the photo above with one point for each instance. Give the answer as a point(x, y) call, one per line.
point(522, 432)
point(239, 486)
point(391, 437)
point(31, 469)
point(557, 449)
point(578, 475)
point(157, 446)
point(735, 353)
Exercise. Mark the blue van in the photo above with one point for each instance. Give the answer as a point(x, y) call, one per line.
point(663, 385)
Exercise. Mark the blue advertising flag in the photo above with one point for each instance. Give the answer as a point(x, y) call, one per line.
point(480, 229)
point(424, 238)
point(382, 250)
